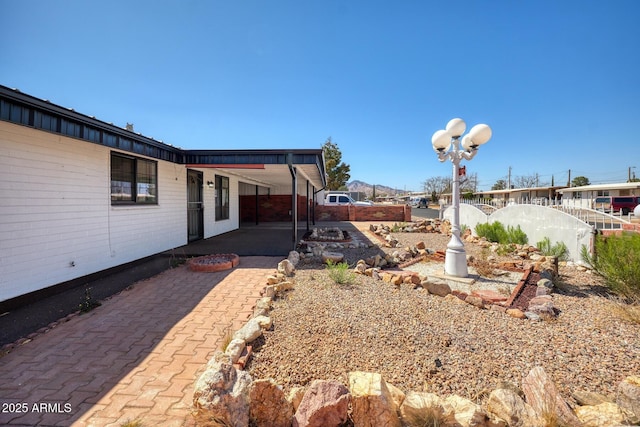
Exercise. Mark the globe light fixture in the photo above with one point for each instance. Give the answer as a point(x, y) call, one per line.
point(447, 145)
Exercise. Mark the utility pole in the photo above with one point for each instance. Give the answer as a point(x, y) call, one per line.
point(537, 179)
point(509, 179)
point(629, 173)
point(569, 179)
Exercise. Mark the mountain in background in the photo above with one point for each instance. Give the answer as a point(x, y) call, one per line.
point(363, 187)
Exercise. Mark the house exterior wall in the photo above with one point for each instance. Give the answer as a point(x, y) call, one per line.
point(211, 226)
point(56, 218)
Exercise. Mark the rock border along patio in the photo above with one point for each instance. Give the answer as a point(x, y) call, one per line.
point(226, 393)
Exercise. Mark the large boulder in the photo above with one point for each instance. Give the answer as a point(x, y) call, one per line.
point(506, 404)
point(543, 396)
point(269, 406)
point(222, 392)
point(628, 398)
point(467, 413)
point(603, 414)
point(371, 401)
point(324, 404)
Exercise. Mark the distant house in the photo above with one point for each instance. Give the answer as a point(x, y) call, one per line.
point(80, 195)
point(500, 198)
point(584, 196)
point(540, 195)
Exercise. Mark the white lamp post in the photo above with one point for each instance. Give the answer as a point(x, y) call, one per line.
point(455, 262)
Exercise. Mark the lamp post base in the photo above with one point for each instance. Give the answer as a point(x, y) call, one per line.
point(455, 260)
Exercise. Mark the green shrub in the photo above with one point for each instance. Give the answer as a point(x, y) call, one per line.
point(617, 259)
point(559, 249)
point(516, 235)
point(340, 273)
point(495, 232)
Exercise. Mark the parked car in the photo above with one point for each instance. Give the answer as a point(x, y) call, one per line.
point(419, 202)
point(625, 204)
point(338, 199)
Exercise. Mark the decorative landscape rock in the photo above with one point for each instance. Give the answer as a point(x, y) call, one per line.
point(268, 404)
point(251, 330)
point(286, 267)
point(467, 413)
point(628, 398)
point(222, 392)
point(235, 348)
point(325, 404)
point(437, 287)
point(603, 414)
point(541, 393)
point(371, 401)
point(507, 405)
point(334, 257)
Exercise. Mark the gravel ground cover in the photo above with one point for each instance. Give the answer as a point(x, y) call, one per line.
point(422, 342)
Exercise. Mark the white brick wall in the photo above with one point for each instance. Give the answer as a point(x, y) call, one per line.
point(55, 210)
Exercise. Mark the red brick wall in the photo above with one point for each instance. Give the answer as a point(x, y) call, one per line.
point(271, 208)
point(401, 213)
point(625, 227)
point(277, 208)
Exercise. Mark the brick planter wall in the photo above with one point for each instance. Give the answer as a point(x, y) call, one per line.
point(399, 213)
point(276, 207)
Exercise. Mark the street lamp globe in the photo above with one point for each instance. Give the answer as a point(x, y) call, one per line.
point(480, 134)
point(441, 140)
point(456, 127)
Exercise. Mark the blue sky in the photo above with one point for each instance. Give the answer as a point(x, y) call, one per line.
point(557, 81)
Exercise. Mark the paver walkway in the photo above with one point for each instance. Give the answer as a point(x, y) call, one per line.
point(135, 357)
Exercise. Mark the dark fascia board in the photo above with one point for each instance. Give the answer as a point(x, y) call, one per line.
point(262, 156)
point(248, 156)
point(45, 105)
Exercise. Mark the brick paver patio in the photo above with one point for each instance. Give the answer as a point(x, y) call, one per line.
point(135, 357)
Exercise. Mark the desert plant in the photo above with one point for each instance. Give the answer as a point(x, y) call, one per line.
point(430, 416)
point(506, 249)
point(492, 231)
point(88, 302)
point(226, 331)
point(483, 265)
point(495, 232)
point(205, 419)
point(627, 312)
point(516, 235)
point(340, 273)
point(132, 423)
point(559, 249)
point(616, 258)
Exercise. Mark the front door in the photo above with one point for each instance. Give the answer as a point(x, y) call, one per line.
point(195, 223)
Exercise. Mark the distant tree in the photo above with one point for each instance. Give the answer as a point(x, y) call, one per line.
point(437, 185)
point(579, 181)
point(337, 170)
point(469, 183)
point(528, 181)
point(500, 184)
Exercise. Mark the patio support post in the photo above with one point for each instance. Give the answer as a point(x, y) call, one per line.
point(294, 201)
